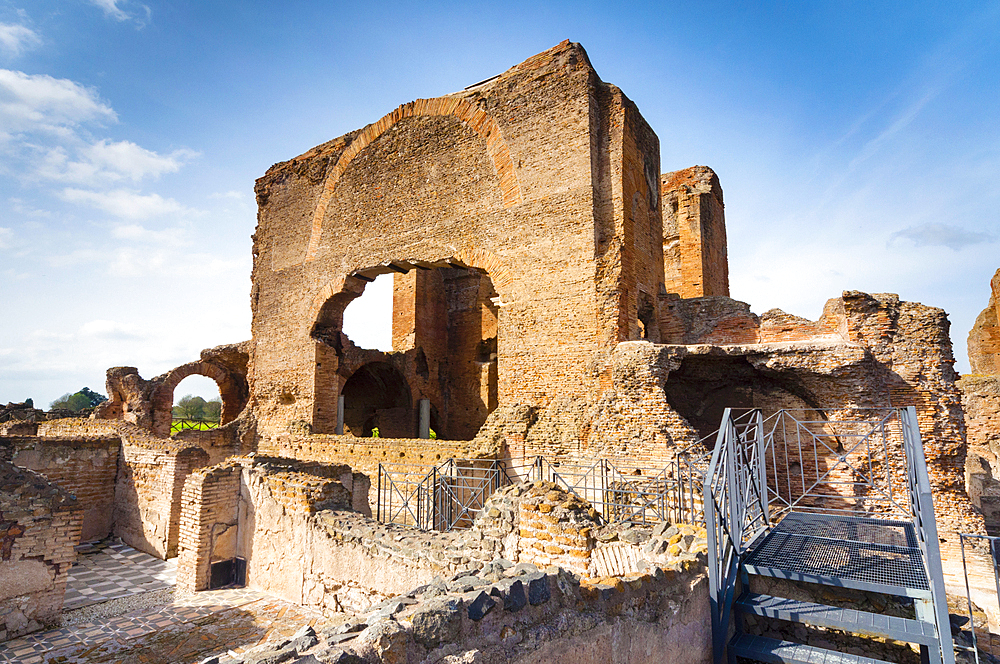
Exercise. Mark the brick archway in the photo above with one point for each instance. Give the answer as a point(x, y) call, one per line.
point(468, 256)
point(469, 114)
point(232, 388)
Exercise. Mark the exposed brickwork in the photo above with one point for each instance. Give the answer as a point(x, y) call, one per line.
point(148, 490)
point(149, 403)
point(586, 227)
point(208, 523)
point(695, 257)
point(86, 468)
point(556, 528)
point(984, 337)
point(39, 526)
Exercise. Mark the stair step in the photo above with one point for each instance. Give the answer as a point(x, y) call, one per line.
point(850, 620)
point(777, 572)
point(773, 651)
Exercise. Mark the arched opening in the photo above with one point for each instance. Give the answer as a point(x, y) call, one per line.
point(197, 405)
point(368, 317)
point(231, 385)
point(703, 387)
point(443, 324)
point(378, 401)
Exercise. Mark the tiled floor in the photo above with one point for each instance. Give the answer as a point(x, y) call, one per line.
point(191, 628)
point(108, 570)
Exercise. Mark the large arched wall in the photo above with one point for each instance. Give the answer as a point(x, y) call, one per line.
point(232, 388)
point(470, 115)
point(436, 186)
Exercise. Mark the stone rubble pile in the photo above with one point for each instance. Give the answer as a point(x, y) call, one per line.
point(496, 599)
point(499, 611)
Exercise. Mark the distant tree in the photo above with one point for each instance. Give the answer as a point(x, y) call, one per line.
point(213, 409)
point(85, 398)
point(190, 407)
point(95, 398)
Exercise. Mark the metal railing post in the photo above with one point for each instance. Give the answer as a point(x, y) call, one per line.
point(927, 528)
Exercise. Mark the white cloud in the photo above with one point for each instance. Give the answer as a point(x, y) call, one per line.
point(129, 160)
point(6, 235)
point(114, 11)
point(941, 235)
point(106, 161)
point(176, 237)
point(235, 195)
point(37, 102)
point(125, 203)
point(15, 39)
point(109, 329)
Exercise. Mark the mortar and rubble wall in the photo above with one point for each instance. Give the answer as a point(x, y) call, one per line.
point(40, 524)
point(523, 584)
point(981, 403)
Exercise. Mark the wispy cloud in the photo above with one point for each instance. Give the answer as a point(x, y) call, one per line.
point(108, 162)
point(6, 238)
point(170, 237)
point(37, 102)
point(115, 10)
point(941, 235)
point(109, 329)
point(15, 39)
point(125, 203)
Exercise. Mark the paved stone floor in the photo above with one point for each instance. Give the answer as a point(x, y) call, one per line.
point(108, 570)
point(191, 628)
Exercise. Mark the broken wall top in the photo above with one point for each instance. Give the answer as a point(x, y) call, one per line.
point(984, 337)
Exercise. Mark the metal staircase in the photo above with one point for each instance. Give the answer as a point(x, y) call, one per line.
point(839, 499)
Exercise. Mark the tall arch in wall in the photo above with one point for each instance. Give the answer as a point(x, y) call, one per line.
point(471, 115)
point(446, 328)
point(233, 389)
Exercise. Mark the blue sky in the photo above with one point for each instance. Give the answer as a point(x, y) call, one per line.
point(858, 145)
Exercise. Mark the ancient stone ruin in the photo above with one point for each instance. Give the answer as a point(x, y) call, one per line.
point(555, 297)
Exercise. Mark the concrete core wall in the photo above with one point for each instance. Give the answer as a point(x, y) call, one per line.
point(39, 525)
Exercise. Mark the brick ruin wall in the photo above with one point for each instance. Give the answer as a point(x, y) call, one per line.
point(981, 403)
point(304, 542)
point(565, 214)
point(696, 263)
point(127, 480)
point(148, 492)
point(39, 525)
point(84, 467)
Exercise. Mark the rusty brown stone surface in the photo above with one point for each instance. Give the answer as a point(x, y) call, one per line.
point(696, 262)
point(984, 337)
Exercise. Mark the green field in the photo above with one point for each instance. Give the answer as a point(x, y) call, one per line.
point(180, 424)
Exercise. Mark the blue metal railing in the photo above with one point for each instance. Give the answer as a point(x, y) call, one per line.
point(839, 462)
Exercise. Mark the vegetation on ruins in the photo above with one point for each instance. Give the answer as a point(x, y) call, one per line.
point(85, 398)
point(196, 408)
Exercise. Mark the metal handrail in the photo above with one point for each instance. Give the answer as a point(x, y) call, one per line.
point(450, 495)
point(925, 526)
point(761, 470)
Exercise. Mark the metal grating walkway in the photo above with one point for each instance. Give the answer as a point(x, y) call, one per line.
point(854, 552)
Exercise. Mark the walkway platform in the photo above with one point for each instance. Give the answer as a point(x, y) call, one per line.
point(852, 552)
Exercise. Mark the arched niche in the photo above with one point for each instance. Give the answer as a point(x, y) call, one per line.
point(233, 390)
point(378, 396)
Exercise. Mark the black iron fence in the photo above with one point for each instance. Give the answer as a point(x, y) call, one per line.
point(450, 495)
point(193, 424)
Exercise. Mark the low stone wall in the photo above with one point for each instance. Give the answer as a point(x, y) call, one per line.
point(40, 524)
point(365, 454)
point(148, 490)
point(525, 615)
point(84, 466)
